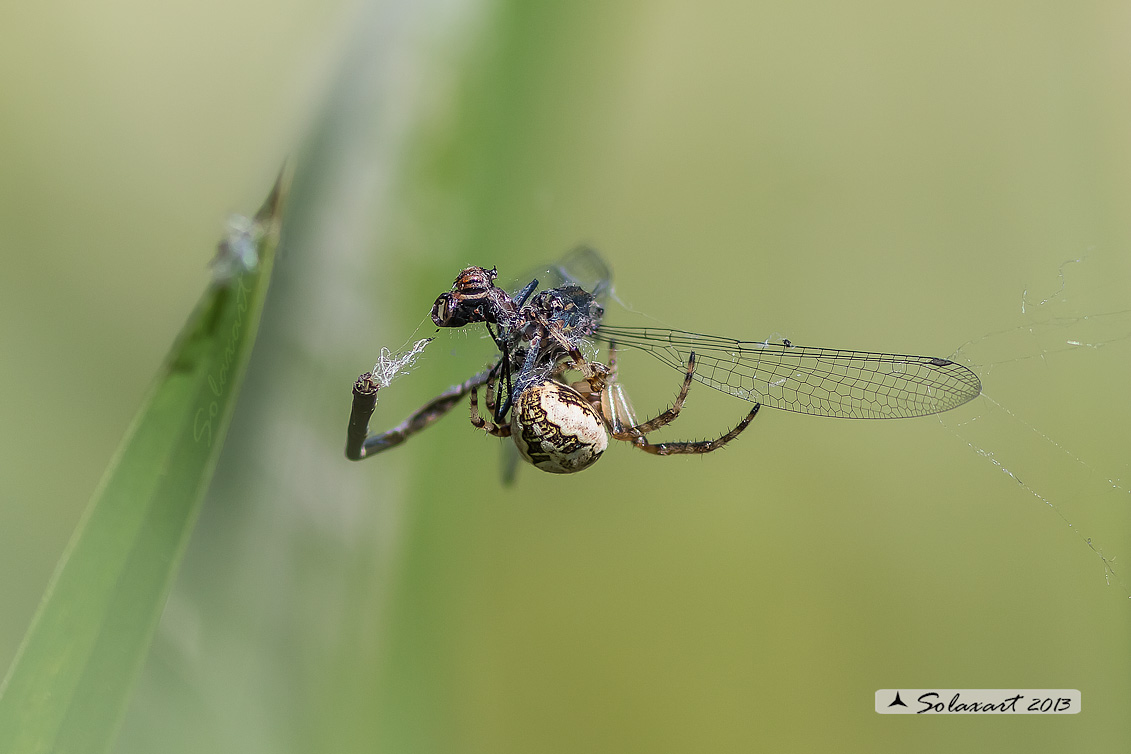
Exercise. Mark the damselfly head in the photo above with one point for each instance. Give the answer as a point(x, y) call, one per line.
point(473, 298)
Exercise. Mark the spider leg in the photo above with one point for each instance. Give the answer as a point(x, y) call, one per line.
point(497, 430)
point(559, 369)
point(612, 401)
point(637, 434)
point(360, 444)
point(665, 418)
point(612, 358)
point(701, 446)
point(493, 396)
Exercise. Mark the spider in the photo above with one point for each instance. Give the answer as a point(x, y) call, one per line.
point(564, 427)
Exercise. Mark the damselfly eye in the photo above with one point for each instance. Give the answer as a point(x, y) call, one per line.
point(442, 312)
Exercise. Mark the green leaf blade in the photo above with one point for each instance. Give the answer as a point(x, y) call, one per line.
point(72, 676)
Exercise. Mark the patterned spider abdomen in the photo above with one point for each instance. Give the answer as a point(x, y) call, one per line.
point(556, 429)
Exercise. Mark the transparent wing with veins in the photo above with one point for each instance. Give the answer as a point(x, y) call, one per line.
point(817, 381)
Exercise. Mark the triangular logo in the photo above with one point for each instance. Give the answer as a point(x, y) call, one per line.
point(898, 702)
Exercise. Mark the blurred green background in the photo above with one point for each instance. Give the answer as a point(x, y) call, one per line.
point(878, 175)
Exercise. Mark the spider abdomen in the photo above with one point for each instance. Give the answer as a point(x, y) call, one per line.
point(556, 429)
